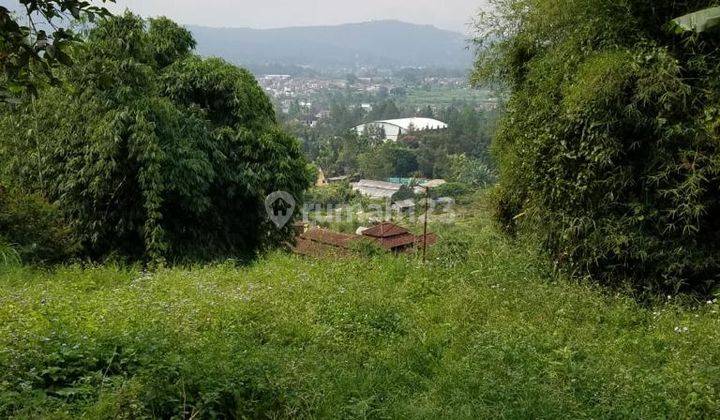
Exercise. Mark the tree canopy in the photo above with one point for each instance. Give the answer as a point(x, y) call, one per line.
point(29, 51)
point(609, 151)
point(151, 151)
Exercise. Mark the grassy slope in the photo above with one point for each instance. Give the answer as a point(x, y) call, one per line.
point(493, 336)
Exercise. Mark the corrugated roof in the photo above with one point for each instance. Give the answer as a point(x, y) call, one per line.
point(376, 189)
point(416, 123)
point(404, 204)
point(378, 184)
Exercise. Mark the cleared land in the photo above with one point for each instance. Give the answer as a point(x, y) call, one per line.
point(482, 333)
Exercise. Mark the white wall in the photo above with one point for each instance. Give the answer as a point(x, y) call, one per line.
point(392, 132)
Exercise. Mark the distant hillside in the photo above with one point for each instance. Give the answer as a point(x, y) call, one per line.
point(387, 44)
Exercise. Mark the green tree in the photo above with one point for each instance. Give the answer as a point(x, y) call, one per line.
point(388, 160)
point(164, 155)
point(610, 146)
point(28, 52)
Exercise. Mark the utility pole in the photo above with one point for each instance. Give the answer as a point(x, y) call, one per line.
point(427, 206)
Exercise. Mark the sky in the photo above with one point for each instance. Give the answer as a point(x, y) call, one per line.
point(447, 14)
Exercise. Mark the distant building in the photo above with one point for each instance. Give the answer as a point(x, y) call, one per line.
point(393, 129)
point(318, 242)
point(338, 179)
point(321, 180)
point(309, 121)
point(433, 183)
point(397, 239)
point(404, 206)
point(323, 243)
point(406, 181)
point(378, 189)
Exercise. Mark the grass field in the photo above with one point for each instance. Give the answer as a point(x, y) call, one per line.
point(486, 331)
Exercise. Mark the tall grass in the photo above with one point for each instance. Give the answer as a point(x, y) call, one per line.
point(9, 257)
point(488, 334)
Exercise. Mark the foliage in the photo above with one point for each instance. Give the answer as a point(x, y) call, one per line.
point(609, 148)
point(492, 335)
point(469, 171)
point(367, 248)
point(164, 155)
point(331, 195)
point(9, 257)
point(452, 250)
point(388, 160)
point(28, 52)
point(32, 230)
point(337, 149)
point(451, 189)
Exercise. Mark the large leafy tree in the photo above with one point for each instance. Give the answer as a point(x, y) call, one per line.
point(152, 151)
point(610, 149)
point(37, 39)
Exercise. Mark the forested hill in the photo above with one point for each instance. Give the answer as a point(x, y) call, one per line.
point(379, 43)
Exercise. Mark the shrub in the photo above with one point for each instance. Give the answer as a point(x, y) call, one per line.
point(470, 171)
point(366, 247)
point(31, 230)
point(331, 195)
point(610, 148)
point(451, 189)
point(9, 257)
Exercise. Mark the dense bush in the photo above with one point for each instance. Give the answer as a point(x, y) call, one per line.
point(32, 230)
point(331, 195)
point(610, 146)
point(150, 151)
point(451, 189)
point(467, 170)
point(388, 160)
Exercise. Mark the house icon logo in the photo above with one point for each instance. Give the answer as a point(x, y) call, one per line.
point(280, 207)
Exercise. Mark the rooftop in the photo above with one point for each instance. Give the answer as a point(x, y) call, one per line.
point(416, 123)
point(385, 230)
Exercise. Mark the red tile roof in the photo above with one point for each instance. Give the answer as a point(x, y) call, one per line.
point(397, 241)
point(329, 237)
point(385, 230)
point(316, 249)
point(432, 239)
point(318, 242)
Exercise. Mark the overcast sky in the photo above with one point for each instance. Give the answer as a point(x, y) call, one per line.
point(447, 14)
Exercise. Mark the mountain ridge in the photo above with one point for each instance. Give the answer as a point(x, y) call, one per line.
point(381, 43)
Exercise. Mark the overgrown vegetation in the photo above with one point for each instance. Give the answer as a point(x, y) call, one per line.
point(338, 150)
point(32, 231)
point(484, 330)
point(152, 152)
point(609, 149)
point(31, 46)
